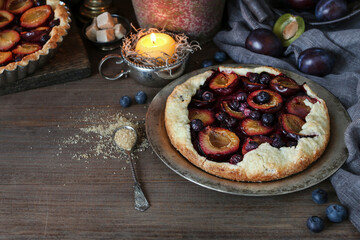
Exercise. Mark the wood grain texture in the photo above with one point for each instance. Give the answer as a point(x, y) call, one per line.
point(45, 193)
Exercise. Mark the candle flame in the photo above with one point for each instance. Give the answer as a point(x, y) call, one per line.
point(153, 37)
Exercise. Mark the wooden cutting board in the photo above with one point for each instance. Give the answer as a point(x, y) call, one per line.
point(69, 63)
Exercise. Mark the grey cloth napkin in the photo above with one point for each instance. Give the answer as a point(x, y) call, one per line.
point(342, 39)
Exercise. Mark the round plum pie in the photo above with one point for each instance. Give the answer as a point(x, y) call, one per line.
point(28, 29)
point(247, 124)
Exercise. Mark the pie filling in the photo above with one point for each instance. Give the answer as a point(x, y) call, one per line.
point(231, 115)
point(25, 27)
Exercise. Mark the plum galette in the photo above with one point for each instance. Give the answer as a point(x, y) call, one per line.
point(247, 124)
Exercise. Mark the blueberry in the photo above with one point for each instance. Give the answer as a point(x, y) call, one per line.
point(336, 213)
point(234, 105)
point(277, 142)
point(267, 119)
point(319, 196)
point(230, 122)
point(262, 97)
point(251, 145)
point(255, 115)
point(207, 63)
point(196, 125)
point(220, 57)
point(291, 143)
point(207, 96)
point(253, 77)
point(236, 158)
point(315, 224)
point(125, 101)
point(264, 78)
point(141, 97)
point(241, 96)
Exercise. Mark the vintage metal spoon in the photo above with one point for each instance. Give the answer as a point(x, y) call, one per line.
point(141, 203)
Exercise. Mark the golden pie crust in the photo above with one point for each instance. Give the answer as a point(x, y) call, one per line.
point(265, 163)
point(56, 36)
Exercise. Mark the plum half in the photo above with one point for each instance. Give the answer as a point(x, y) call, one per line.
point(206, 116)
point(284, 85)
point(218, 143)
point(223, 83)
point(291, 125)
point(236, 114)
point(273, 105)
point(288, 28)
point(255, 127)
point(254, 142)
point(297, 106)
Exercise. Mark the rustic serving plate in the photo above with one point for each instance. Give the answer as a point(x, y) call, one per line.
point(332, 159)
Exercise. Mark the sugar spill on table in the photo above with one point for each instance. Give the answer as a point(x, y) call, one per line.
point(96, 132)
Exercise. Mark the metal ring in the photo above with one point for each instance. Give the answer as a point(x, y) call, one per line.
point(117, 76)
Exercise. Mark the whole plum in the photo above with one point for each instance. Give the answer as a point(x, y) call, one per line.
point(316, 61)
point(264, 41)
point(327, 10)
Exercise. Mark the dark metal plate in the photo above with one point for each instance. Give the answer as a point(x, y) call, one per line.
point(332, 159)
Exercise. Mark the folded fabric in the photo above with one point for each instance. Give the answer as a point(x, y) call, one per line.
point(342, 39)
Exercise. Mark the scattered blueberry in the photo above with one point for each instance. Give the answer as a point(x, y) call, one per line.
point(241, 96)
point(236, 158)
point(264, 78)
point(319, 196)
point(125, 101)
point(255, 115)
point(141, 97)
point(207, 96)
point(220, 57)
point(253, 77)
point(315, 224)
point(336, 213)
point(207, 63)
point(262, 97)
point(196, 125)
point(267, 119)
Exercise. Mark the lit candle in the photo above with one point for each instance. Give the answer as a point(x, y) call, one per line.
point(155, 45)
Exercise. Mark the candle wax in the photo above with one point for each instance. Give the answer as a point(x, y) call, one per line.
point(155, 45)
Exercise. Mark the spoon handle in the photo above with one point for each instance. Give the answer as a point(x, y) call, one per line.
point(141, 203)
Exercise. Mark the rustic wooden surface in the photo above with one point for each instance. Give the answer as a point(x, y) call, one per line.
point(69, 63)
point(47, 194)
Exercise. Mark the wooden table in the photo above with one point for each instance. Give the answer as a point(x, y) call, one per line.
point(48, 192)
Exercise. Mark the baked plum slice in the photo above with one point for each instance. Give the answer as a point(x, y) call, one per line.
point(26, 48)
point(18, 6)
point(36, 17)
point(224, 83)
point(35, 35)
point(206, 116)
point(254, 142)
point(8, 39)
point(251, 85)
point(5, 18)
point(284, 85)
point(255, 127)
point(265, 100)
point(5, 57)
point(218, 143)
point(292, 125)
point(236, 114)
point(296, 106)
